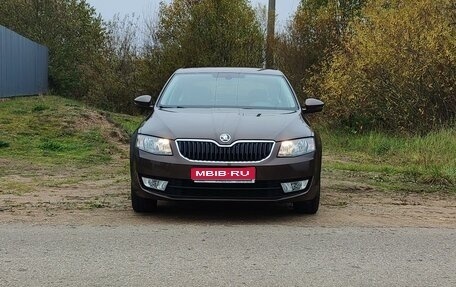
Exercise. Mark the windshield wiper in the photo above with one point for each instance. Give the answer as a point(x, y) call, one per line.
point(172, 107)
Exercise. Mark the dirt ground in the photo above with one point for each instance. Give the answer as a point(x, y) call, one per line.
point(100, 196)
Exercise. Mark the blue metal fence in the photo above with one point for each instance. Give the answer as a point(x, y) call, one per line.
point(23, 65)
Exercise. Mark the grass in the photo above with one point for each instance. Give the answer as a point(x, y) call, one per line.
point(15, 187)
point(429, 159)
point(53, 130)
point(50, 142)
point(125, 122)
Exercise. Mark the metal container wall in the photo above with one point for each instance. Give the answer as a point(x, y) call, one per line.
point(23, 65)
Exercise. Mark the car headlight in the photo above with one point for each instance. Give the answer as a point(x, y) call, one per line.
point(297, 147)
point(154, 145)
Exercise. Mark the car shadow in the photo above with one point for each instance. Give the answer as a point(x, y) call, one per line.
point(224, 212)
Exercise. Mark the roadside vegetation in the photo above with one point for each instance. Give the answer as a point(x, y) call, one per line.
point(428, 160)
point(395, 69)
point(49, 143)
point(53, 132)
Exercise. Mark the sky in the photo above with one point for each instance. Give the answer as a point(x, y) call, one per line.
point(146, 8)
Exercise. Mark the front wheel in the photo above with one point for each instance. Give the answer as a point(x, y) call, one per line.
point(143, 205)
point(308, 206)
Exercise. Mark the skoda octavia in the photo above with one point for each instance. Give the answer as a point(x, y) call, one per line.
point(226, 134)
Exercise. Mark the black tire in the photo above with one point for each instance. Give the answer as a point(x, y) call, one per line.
point(143, 205)
point(307, 207)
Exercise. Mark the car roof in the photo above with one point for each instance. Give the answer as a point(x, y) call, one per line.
point(230, 70)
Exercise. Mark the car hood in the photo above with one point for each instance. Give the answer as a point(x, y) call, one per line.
point(241, 124)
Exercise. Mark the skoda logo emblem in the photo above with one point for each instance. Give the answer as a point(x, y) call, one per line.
point(224, 138)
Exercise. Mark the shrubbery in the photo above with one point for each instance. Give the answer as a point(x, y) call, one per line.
point(312, 35)
point(396, 69)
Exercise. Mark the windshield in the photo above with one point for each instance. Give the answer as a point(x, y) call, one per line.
point(228, 90)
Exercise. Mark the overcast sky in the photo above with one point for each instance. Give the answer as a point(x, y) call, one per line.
point(146, 8)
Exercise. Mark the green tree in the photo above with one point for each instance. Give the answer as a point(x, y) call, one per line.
point(202, 33)
point(397, 69)
point(119, 80)
point(313, 34)
point(70, 29)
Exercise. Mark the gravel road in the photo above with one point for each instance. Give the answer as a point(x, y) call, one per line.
point(224, 254)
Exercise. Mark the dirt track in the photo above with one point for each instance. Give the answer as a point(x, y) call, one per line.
point(87, 197)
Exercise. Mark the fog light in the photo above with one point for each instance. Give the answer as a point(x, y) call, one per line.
point(294, 186)
point(155, 183)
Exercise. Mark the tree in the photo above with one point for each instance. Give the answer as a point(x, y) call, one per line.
point(118, 83)
point(191, 33)
point(70, 29)
point(312, 35)
point(396, 70)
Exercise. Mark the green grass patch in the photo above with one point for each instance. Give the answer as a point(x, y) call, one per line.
point(4, 144)
point(126, 122)
point(15, 187)
point(51, 130)
point(40, 108)
point(429, 159)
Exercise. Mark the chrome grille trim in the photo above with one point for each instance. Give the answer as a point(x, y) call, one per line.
point(225, 146)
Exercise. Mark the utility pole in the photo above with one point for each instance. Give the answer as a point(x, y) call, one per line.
point(270, 37)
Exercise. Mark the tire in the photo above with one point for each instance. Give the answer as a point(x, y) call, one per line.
point(307, 207)
point(143, 205)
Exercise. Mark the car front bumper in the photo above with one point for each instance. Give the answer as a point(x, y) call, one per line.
point(267, 187)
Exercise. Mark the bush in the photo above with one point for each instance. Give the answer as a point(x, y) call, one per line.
point(396, 70)
point(311, 36)
point(118, 83)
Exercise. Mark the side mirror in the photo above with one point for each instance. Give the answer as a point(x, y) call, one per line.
point(313, 106)
point(144, 102)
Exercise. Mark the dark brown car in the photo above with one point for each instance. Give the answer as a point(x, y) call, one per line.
point(226, 134)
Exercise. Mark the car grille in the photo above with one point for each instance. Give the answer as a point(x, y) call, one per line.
point(208, 151)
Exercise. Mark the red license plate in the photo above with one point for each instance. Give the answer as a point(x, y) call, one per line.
point(223, 174)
